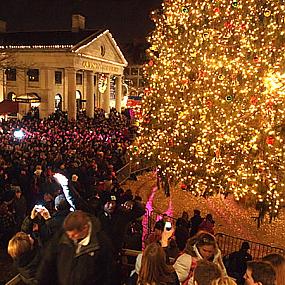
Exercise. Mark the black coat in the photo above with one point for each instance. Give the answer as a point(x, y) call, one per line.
point(27, 265)
point(93, 265)
point(117, 224)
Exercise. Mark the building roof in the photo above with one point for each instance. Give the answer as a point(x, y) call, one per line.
point(46, 38)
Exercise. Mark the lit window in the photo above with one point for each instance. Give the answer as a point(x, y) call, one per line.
point(11, 74)
point(33, 75)
point(79, 79)
point(58, 77)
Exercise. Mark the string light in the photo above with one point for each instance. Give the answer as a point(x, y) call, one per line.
point(213, 111)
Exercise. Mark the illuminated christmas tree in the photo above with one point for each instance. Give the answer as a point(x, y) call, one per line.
point(214, 108)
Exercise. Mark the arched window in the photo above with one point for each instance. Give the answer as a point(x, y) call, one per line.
point(78, 100)
point(11, 96)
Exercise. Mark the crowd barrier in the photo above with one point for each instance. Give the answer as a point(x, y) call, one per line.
point(228, 244)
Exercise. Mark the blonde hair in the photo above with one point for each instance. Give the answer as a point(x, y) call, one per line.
point(224, 281)
point(19, 244)
point(153, 265)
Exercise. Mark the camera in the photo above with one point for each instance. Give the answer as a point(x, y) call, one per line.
point(168, 226)
point(39, 207)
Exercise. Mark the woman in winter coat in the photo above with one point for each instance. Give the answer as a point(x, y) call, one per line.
point(154, 269)
point(26, 255)
point(201, 246)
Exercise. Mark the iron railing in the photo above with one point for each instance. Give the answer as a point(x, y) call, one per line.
point(228, 244)
point(133, 166)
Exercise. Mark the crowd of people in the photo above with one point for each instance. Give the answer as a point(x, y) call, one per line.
point(65, 219)
point(88, 151)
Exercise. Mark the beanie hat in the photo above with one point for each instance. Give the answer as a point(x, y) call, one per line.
point(58, 199)
point(106, 196)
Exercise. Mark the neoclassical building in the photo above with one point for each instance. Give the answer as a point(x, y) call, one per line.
point(68, 70)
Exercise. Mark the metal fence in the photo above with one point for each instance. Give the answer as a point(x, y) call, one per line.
point(134, 166)
point(229, 244)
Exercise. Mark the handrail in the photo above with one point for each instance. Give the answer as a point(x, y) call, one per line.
point(16, 280)
point(228, 244)
point(132, 167)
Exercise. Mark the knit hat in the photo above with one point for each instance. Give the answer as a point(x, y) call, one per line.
point(59, 199)
point(106, 196)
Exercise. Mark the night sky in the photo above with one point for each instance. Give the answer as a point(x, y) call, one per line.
point(126, 19)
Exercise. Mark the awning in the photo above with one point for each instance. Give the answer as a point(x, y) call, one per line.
point(8, 107)
point(28, 98)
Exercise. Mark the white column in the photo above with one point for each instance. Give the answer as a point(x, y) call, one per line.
point(71, 78)
point(22, 82)
point(65, 91)
point(106, 96)
point(47, 96)
point(97, 93)
point(2, 84)
point(90, 94)
point(118, 93)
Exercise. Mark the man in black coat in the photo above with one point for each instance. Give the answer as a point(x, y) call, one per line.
point(81, 255)
point(236, 262)
point(115, 219)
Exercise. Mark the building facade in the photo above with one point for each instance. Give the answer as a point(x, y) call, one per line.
point(67, 70)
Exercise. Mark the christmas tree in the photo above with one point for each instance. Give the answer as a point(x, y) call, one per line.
point(213, 111)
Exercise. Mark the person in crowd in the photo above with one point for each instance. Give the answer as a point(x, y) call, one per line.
point(195, 222)
point(224, 281)
point(19, 208)
point(236, 262)
point(201, 246)
point(154, 269)
point(260, 273)
point(182, 230)
point(183, 221)
point(116, 218)
point(26, 255)
point(7, 224)
point(207, 224)
point(278, 263)
point(71, 147)
point(155, 236)
point(80, 255)
point(206, 272)
point(164, 243)
point(42, 223)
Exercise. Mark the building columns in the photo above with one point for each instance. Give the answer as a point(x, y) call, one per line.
point(2, 85)
point(106, 96)
point(71, 94)
point(118, 95)
point(90, 94)
point(47, 97)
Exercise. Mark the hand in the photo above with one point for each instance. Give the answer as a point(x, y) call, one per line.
point(61, 179)
point(34, 213)
point(165, 236)
point(45, 213)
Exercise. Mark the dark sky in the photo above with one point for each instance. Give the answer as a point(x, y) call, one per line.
point(126, 19)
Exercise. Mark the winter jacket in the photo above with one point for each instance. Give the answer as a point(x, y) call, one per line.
point(92, 265)
point(27, 265)
point(186, 263)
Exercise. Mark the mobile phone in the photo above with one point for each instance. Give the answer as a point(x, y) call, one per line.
point(168, 226)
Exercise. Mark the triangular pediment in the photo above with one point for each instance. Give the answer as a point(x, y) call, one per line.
point(102, 47)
